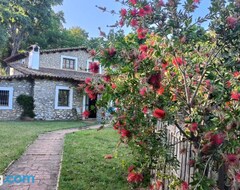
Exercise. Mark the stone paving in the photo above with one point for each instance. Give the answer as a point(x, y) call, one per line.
point(42, 160)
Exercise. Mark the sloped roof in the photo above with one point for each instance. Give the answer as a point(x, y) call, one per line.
point(25, 54)
point(63, 49)
point(48, 73)
point(16, 57)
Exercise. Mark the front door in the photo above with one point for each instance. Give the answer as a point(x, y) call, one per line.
point(90, 105)
point(92, 108)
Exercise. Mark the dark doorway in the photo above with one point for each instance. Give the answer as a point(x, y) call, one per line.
point(92, 108)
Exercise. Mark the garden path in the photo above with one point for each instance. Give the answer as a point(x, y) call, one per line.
point(42, 159)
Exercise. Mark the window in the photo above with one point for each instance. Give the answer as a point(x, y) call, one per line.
point(68, 63)
point(63, 97)
point(6, 96)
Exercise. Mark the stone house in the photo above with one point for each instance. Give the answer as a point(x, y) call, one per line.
point(51, 78)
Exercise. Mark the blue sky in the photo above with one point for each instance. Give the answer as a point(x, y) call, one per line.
point(83, 13)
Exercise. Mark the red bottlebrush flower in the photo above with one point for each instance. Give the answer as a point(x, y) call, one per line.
point(148, 9)
point(236, 74)
point(108, 156)
point(197, 69)
point(164, 65)
point(125, 133)
point(107, 78)
point(232, 21)
point(134, 2)
point(232, 159)
point(114, 86)
point(142, 32)
point(134, 177)
point(145, 110)
point(158, 113)
point(235, 96)
point(196, 1)
point(142, 56)
point(123, 12)
point(155, 80)
point(89, 89)
point(143, 91)
point(208, 83)
point(93, 52)
point(121, 23)
point(90, 92)
point(141, 12)
point(94, 67)
point(112, 51)
point(184, 186)
point(160, 3)
point(217, 139)
point(134, 12)
point(151, 187)
point(134, 22)
point(143, 48)
point(130, 169)
point(159, 184)
point(174, 97)
point(178, 61)
point(92, 96)
point(101, 87)
point(86, 114)
point(88, 80)
point(191, 162)
point(160, 91)
point(237, 176)
point(193, 127)
point(228, 84)
point(156, 186)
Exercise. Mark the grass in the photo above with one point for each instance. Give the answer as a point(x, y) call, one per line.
point(16, 136)
point(84, 166)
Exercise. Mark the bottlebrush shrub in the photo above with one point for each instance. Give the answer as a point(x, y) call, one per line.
point(173, 70)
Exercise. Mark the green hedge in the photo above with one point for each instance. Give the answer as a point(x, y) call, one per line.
point(27, 104)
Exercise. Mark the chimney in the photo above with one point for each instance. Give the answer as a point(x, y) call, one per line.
point(34, 56)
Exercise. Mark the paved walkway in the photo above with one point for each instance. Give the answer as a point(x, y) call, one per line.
point(42, 159)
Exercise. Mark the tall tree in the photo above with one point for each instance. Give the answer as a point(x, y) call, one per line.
point(38, 14)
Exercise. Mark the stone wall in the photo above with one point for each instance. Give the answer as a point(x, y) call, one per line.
point(53, 60)
point(44, 96)
point(43, 92)
point(19, 87)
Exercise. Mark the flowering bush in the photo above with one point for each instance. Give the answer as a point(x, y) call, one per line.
point(172, 69)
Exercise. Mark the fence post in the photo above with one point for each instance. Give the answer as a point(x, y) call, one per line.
point(222, 178)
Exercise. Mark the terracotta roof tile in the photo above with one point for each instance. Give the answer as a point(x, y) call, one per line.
point(63, 49)
point(25, 54)
point(49, 73)
point(13, 77)
point(16, 57)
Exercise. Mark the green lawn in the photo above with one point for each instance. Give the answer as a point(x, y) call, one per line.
point(84, 166)
point(15, 136)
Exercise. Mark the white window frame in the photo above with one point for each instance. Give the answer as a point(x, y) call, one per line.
point(87, 67)
point(69, 57)
point(70, 97)
point(10, 98)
